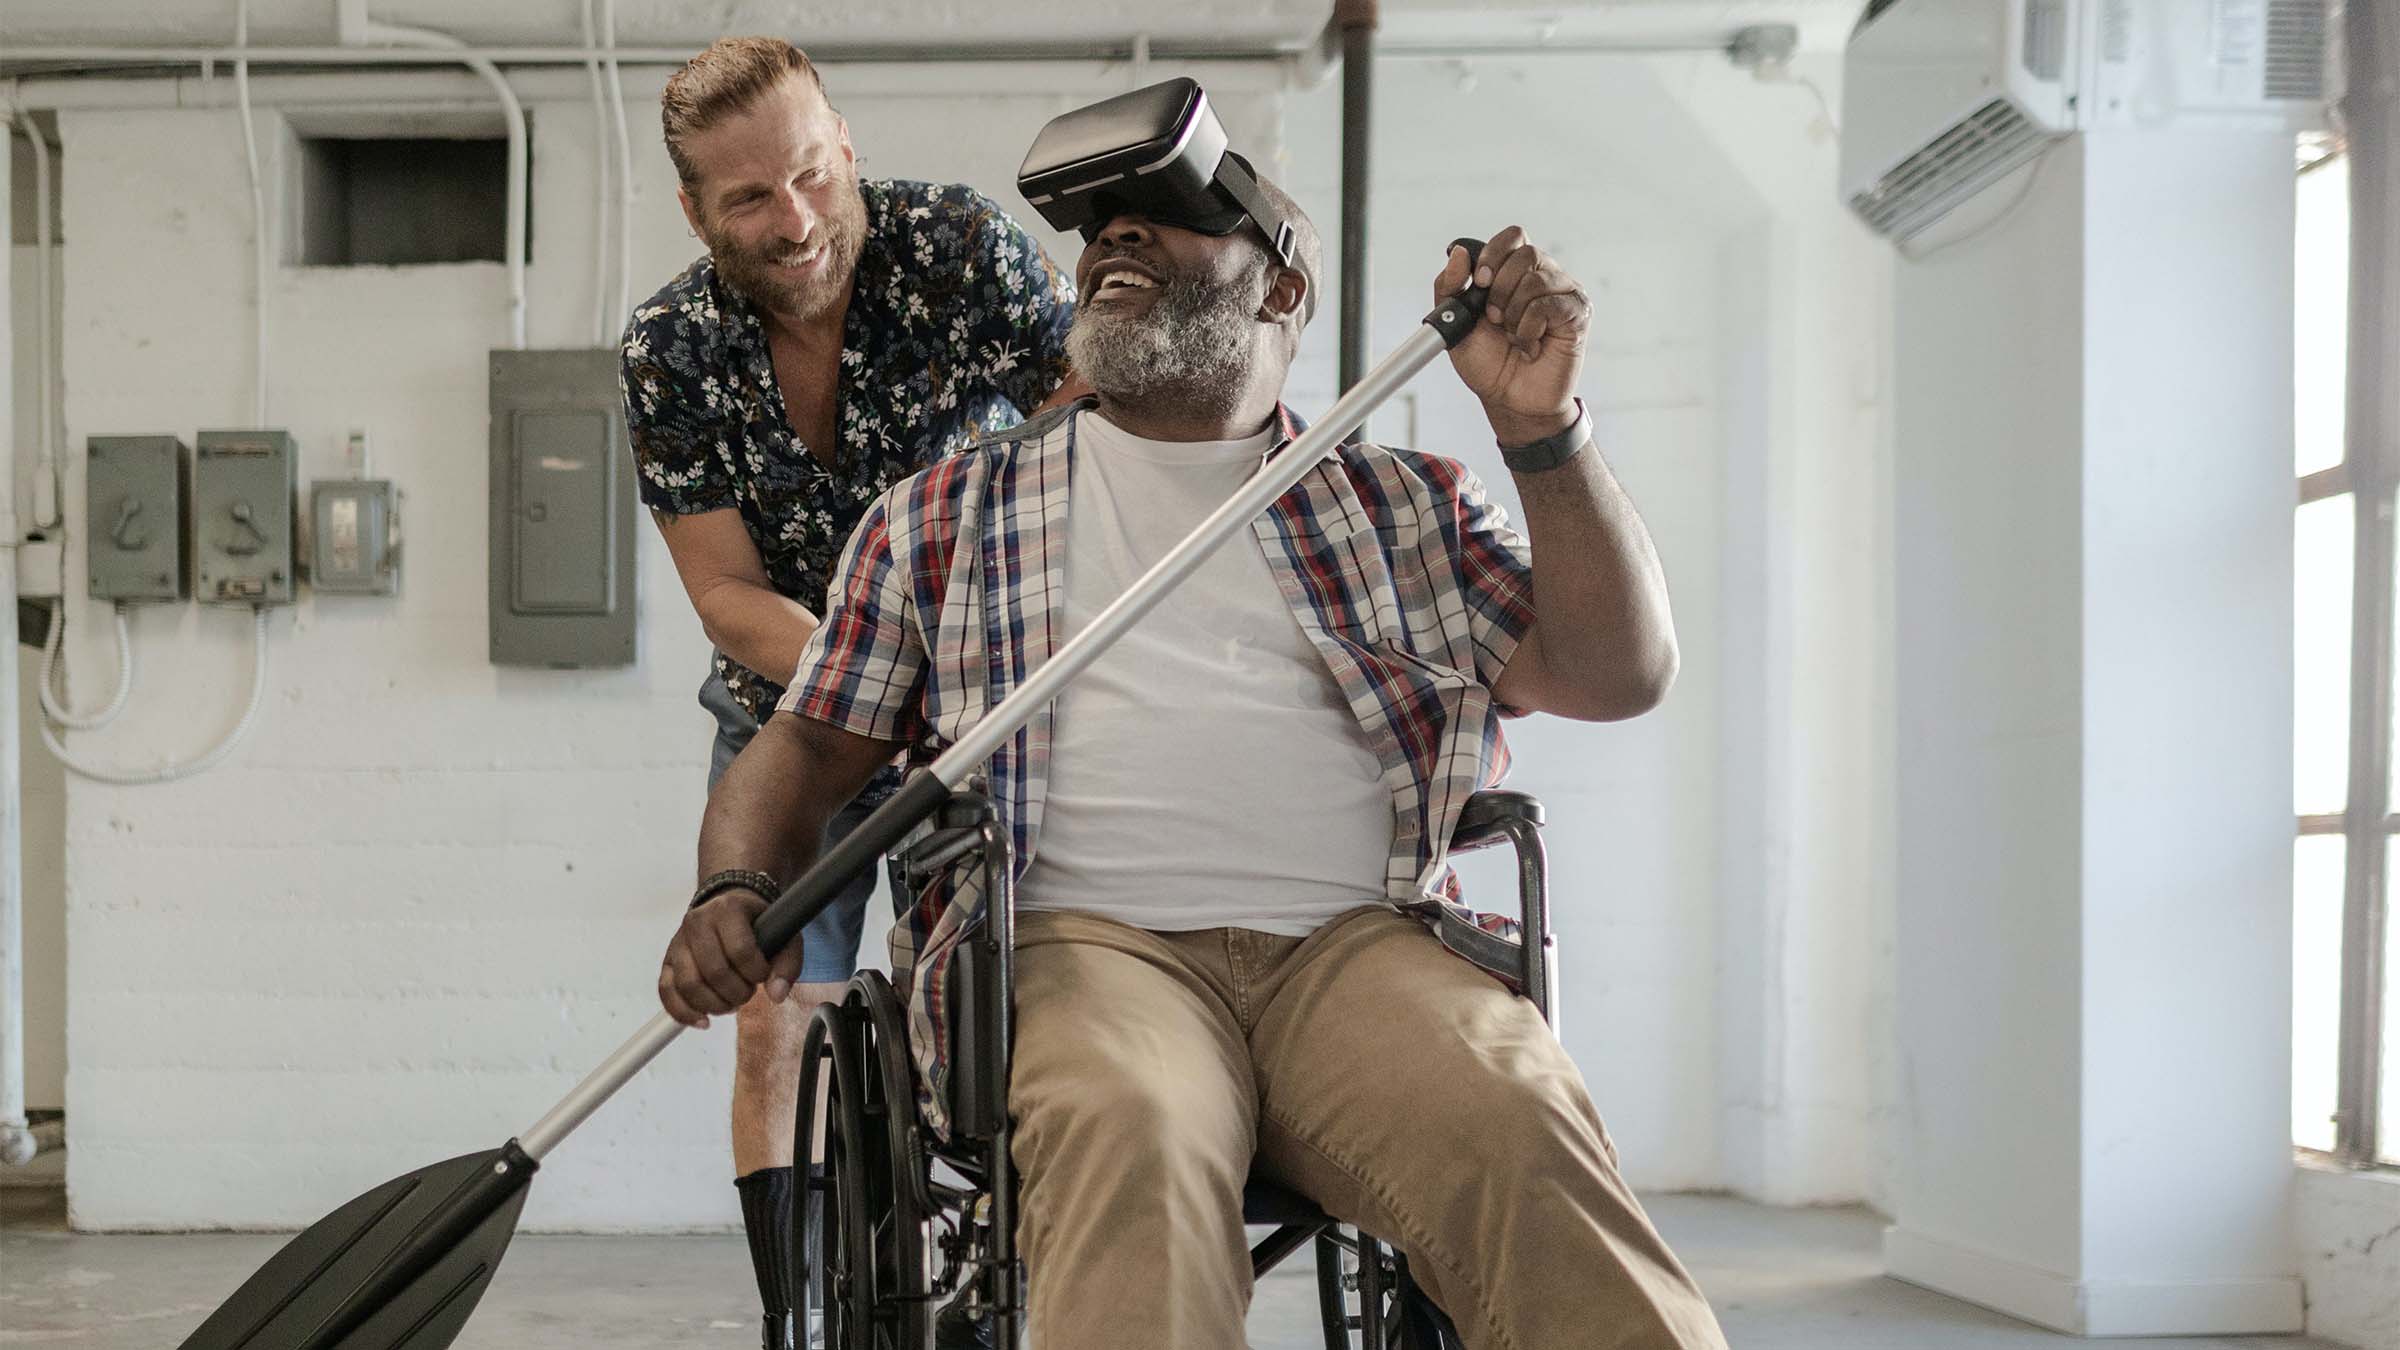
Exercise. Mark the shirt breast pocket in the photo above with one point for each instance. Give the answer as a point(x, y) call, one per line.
point(1349, 580)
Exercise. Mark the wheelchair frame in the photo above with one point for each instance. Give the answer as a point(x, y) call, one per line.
point(896, 1242)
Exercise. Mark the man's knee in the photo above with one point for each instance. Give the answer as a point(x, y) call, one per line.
point(1135, 1112)
point(1134, 1134)
point(1541, 1118)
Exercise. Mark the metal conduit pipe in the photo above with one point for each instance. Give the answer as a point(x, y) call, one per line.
point(1357, 20)
point(518, 161)
point(446, 84)
point(17, 1145)
point(260, 267)
point(48, 500)
point(616, 111)
point(602, 167)
point(20, 59)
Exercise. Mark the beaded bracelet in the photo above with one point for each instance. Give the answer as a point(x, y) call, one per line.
point(735, 879)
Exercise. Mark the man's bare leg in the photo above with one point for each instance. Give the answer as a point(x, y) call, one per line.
point(766, 1076)
point(766, 1087)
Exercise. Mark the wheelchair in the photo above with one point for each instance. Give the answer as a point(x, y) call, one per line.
point(910, 1222)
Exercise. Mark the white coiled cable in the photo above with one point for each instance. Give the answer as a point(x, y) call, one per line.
point(207, 759)
point(54, 702)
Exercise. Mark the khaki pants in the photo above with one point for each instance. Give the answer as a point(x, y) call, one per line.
point(1401, 1088)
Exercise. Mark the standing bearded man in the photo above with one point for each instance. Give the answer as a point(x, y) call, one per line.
point(840, 334)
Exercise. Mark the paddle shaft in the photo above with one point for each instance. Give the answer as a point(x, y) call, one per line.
point(928, 788)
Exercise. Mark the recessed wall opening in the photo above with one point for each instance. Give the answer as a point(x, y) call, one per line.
point(404, 193)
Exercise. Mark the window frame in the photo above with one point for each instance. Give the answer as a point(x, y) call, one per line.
point(2370, 472)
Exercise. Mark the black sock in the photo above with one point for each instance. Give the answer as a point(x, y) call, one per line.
point(767, 1218)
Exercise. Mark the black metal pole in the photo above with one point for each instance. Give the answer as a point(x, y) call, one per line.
point(1357, 20)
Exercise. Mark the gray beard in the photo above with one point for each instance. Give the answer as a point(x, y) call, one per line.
point(1193, 349)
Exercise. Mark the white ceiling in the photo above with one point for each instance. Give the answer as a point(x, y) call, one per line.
point(1258, 24)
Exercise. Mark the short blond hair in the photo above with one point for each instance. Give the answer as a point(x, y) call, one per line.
point(733, 74)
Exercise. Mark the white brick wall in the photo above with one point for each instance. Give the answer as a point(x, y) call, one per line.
point(428, 894)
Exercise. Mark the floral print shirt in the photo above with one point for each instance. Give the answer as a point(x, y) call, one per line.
point(957, 325)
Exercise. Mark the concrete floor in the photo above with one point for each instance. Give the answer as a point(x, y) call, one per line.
point(1780, 1279)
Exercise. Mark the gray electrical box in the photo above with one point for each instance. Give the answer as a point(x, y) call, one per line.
point(350, 537)
point(243, 485)
point(562, 583)
point(134, 489)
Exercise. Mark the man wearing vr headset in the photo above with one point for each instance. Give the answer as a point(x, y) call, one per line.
point(1236, 924)
point(840, 334)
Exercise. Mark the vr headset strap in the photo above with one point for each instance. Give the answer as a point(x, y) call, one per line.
point(1237, 181)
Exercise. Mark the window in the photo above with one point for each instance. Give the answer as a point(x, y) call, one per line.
point(2345, 1088)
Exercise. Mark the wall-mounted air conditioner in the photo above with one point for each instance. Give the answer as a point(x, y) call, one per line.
point(1941, 98)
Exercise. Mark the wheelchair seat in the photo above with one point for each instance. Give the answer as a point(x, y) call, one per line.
point(1264, 1202)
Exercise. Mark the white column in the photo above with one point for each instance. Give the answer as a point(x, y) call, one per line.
point(2094, 606)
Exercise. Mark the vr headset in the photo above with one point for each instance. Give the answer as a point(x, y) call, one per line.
point(1158, 152)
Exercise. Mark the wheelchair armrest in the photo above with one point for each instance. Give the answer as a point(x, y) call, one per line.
point(929, 856)
point(1489, 814)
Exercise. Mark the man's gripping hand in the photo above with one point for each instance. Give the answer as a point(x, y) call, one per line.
point(713, 964)
point(1522, 359)
point(767, 814)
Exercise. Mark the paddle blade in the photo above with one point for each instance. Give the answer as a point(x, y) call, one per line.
point(412, 1220)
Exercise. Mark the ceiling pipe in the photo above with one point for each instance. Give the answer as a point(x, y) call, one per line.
point(389, 87)
point(20, 58)
point(1314, 62)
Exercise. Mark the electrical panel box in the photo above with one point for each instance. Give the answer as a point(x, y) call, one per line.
point(243, 485)
point(562, 511)
point(134, 492)
point(351, 537)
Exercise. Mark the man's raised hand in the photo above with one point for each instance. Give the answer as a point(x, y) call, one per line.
point(1524, 356)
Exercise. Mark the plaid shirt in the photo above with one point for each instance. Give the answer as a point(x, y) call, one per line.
point(1409, 583)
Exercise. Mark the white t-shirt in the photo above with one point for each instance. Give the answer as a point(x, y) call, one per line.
point(1205, 772)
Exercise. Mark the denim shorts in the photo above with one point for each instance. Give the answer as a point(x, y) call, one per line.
point(829, 945)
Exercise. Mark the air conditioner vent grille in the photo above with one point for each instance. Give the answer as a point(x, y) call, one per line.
point(2046, 38)
point(2295, 49)
point(1989, 142)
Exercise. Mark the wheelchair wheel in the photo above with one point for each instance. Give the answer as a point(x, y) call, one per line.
point(1422, 1325)
point(871, 1237)
point(1388, 1312)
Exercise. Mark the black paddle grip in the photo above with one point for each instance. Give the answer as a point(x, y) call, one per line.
point(806, 898)
point(1455, 317)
